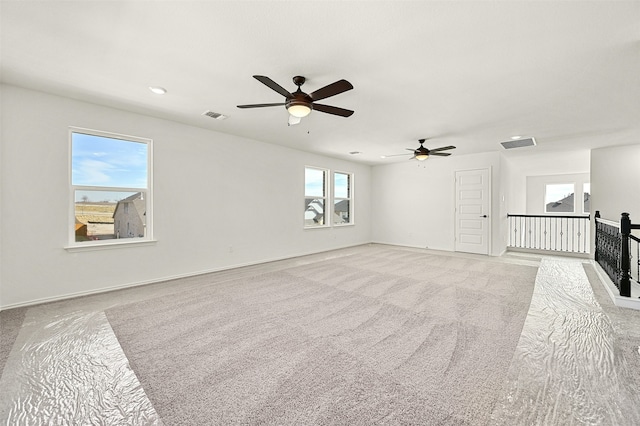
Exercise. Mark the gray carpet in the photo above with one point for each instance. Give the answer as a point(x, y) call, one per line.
point(384, 337)
point(10, 322)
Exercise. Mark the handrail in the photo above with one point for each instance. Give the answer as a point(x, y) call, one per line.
point(556, 233)
point(550, 215)
point(608, 222)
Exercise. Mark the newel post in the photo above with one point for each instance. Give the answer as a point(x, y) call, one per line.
point(597, 216)
point(625, 261)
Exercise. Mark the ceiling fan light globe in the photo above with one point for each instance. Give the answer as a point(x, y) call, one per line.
point(421, 157)
point(299, 110)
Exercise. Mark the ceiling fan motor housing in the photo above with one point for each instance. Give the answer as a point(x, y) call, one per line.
point(299, 109)
point(303, 100)
point(300, 104)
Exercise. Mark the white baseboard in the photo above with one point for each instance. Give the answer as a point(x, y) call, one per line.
point(550, 252)
point(612, 290)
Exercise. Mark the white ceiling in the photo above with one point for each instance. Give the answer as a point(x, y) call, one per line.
point(470, 74)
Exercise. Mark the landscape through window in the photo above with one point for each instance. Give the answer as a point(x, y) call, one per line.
point(559, 198)
point(109, 186)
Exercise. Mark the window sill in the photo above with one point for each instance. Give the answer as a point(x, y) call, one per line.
point(341, 225)
point(109, 246)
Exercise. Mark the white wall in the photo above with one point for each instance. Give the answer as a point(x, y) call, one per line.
point(414, 202)
point(504, 199)
point(615, 182)
point(207, 198)
point(530, 163)
point(536, 186)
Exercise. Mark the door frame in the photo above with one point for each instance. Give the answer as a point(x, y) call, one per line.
point(489, 170)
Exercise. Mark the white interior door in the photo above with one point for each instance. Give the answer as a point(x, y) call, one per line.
point(473, 211)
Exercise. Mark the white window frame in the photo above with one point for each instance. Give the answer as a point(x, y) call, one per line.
point(544, 207)
point(582, 199)
point(326, 198)
point(147, 195)
point(349, 198)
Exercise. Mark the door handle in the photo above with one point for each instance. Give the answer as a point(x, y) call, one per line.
point(484, 215)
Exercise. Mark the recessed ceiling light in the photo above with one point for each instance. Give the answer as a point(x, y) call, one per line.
point(383, 156)
point(516, 137)
point(158, 90)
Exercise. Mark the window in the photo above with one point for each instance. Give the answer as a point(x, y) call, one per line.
point(110, 188)
point(315, 197)
point(586, 197)
point(559, 198)
point(342, 183)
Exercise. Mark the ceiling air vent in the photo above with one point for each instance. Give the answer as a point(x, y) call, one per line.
point(518, 143)
point(215, 115)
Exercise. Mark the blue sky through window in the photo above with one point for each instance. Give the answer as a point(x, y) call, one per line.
point(556, 192)
point(313, 182)
point(107, 162)
point(102, 161)
point(341, 183)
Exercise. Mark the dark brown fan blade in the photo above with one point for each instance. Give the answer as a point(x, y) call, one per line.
point(273, 85)
point(331, 90)
point(259, 105)
point(410, 149)
point(332, 110)
point(441, 154)
point(444, 148)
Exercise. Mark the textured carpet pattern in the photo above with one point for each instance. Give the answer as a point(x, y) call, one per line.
point(10, 323)
point(385, 337)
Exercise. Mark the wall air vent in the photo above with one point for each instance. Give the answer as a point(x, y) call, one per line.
point(215, 115)
point(518, 143)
